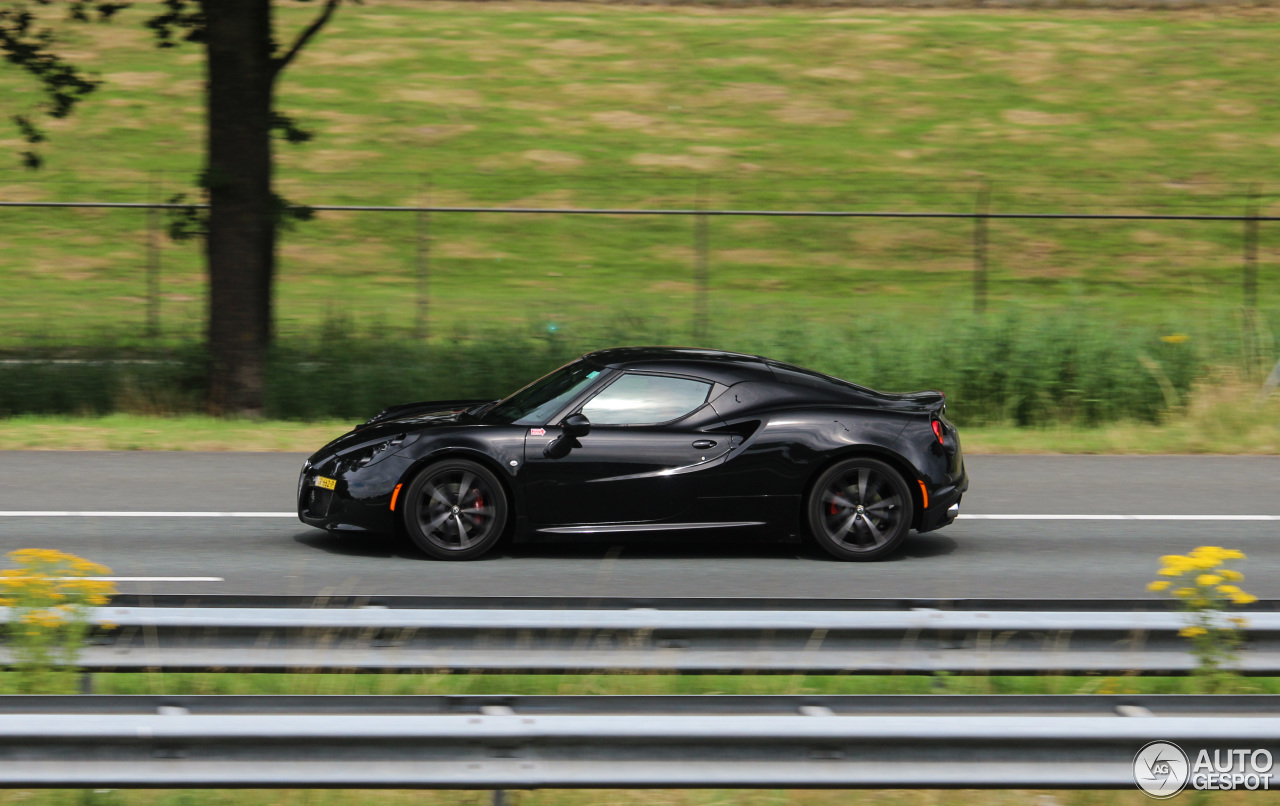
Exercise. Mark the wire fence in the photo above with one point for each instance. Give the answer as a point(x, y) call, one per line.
point(434, 268)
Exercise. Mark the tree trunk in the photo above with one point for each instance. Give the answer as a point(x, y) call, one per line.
point(241, 243)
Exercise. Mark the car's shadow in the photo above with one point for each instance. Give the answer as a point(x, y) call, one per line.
point(359, 544)
point(689, 545)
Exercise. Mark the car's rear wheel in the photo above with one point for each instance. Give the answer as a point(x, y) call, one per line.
point(860, 509)
point(455, 510)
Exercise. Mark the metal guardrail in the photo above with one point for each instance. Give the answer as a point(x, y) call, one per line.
point(752, 603)
point(851, 637)
point(583, 742)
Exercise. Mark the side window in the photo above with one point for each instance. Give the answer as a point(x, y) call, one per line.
point(645, 399)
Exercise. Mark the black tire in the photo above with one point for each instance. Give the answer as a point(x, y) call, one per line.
point(859, 509)
point(455, 510)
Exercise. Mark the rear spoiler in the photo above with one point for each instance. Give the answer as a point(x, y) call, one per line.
point(926, 402)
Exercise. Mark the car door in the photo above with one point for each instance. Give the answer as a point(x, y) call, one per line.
point(644, 460)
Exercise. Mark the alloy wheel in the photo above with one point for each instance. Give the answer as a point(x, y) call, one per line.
point(457, 509)
point(861, 509)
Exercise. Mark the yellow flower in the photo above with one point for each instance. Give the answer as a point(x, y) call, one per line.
point(1232, 554)
point(1239, 621)
point(1205, 580)
point(1229, 590)
point(1183, 593)
point(1174, 338)
point(49, 589)
point(1159, 585)
point(1234, 576)
point(1192, 632)
point(41, 618)
point(1243, 599)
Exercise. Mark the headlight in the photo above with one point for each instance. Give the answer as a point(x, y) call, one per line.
point(375, 453)
point(302, 476)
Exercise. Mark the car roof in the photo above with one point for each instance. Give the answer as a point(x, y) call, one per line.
point(716, 365)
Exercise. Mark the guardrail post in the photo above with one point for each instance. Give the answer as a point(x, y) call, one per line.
point(700, 267)
point(981, 209)
point(422, 263)
point(153, 262)
point(1250, 278)
point(499, 797)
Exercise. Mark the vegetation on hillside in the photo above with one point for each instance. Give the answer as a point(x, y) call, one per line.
point(519, 104)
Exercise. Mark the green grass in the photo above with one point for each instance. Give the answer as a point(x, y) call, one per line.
point(137, 432)
point(657, 106)
point(1022, 367)
point(598, 684)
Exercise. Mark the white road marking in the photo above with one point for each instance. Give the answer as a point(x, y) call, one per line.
point(150, 579)
point(42, 513)
point(1121, 517)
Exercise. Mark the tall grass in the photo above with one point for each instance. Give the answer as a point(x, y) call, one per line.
point(1022, 368)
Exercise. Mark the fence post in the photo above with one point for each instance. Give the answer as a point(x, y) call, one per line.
point(981, 209)
point(422, 262)
point(700, 267)
point(153, 262)
point(1250, 278)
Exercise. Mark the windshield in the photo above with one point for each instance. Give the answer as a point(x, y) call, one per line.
point(537, 402)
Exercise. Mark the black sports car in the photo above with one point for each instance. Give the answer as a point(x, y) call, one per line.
point(645, 439)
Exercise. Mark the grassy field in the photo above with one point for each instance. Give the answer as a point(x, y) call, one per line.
point(518, 103)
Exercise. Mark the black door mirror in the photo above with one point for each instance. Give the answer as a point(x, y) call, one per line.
point(576, 425)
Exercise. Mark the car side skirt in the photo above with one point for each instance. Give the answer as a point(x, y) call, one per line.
point(610, 528)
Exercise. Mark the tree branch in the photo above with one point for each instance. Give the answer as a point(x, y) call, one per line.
point(281, 62)
point(27, 43)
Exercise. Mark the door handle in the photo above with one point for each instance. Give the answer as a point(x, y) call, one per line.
point(704, 443)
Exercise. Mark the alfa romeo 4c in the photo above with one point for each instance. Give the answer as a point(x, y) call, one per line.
point(648, 439)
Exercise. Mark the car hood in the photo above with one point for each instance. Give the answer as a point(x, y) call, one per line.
point(408, 418)
point(423, 412)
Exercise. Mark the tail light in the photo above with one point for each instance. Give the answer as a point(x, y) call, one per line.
point(937, 430)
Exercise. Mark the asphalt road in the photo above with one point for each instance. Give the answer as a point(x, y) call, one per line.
point(974, 557)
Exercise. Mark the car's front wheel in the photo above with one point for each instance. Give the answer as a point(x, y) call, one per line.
point(860, 509)
point(455, 510)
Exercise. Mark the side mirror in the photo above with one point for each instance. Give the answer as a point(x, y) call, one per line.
point(576, 425)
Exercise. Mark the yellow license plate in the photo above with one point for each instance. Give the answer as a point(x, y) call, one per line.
point(324, 483)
